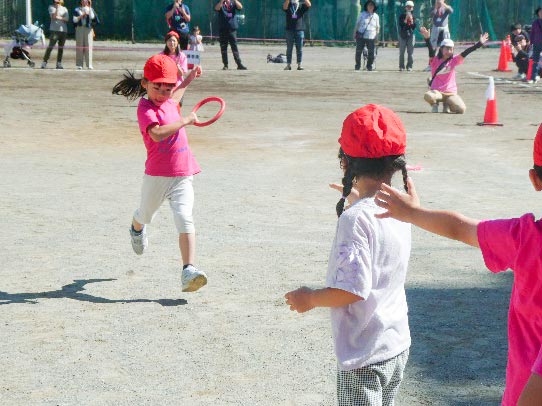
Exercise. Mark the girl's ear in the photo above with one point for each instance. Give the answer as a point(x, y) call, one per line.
point(535, 180)
point(144, 83)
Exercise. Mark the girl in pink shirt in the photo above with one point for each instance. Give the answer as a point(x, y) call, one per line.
point(505, 244)
point(173, 50)
point(170, 165)
point(443, 88)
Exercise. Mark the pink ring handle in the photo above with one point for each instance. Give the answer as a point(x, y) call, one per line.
point(216, 117)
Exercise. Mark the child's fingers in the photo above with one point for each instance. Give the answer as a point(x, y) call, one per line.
point(337, 187)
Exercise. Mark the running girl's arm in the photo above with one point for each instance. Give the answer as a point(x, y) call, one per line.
point(305, 299)
point(178, 93)
point(406, 207)
point(160, 132)
point(238, 5)
point(532, 393)
point(308, 4)
point(426, 35)
point(483, 39)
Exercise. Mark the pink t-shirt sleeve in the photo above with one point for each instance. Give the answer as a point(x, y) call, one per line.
point(502, 241)
point(145, 118)
point(537, 367)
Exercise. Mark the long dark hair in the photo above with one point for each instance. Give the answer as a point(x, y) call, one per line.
point(130, 87)
point(375, 168)
point(177, 49)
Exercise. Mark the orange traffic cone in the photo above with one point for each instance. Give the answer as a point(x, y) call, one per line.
point(503, 58)
point(509, 49)
point(530, 70)
point(490, 116)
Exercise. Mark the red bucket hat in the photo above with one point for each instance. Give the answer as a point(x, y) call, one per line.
point(160, 68)
point(537, 149)
point(172, 34)
point(373, 131)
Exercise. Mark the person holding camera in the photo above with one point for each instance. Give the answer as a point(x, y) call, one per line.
point(84, 19)
point(58, 31)
point(227, 30)
point(295, 29)
point(407, 25)
point(178, 19)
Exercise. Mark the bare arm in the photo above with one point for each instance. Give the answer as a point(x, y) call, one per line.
point(285, 5)
point(406, 207)
point(160, 132)
point(238, 5)
point(219, 5)
point(186, 16)
point(308, 4)
point(305, 299)
point(532, 393)
point(178, 93)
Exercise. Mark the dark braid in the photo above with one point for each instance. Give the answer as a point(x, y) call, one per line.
point(129, 87)
point(375, 168)
point(399, 163)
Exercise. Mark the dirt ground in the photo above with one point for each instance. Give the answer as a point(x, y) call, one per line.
point(84, 321)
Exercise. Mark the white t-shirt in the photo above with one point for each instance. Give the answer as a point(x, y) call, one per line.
point(369, 258)
point(368, 24)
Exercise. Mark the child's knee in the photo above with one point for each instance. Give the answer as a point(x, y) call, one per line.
point(430, 98)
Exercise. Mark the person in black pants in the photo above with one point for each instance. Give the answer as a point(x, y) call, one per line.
point(227, 30)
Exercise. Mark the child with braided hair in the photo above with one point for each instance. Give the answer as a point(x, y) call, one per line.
point(367, 266)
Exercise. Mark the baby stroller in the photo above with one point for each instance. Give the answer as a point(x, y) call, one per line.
point(24, 38)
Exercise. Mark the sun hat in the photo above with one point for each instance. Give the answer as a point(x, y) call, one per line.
point(373, 131)
point(447, 42)
point(537, 149)
point(160, 68)
point(373, 3)
point(409, 3)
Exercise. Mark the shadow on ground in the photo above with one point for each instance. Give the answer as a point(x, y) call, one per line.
point(459, 339)
point(75, 291)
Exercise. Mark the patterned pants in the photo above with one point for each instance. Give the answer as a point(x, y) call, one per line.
point(373, 385)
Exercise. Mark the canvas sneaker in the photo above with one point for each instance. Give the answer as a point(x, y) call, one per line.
point(445, 109)
point(139, 241)
point(43, 65)
point(192, 279)
point(434, 109)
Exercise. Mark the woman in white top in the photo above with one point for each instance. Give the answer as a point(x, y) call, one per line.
point(365, 34)
point(84, 19)
point(58, 31)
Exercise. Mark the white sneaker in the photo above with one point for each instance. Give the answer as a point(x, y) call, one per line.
point(91, 67)
point(445, 108)
point(516, 77)
point(192, 279)
point(427, 68)
point(43, 65)
point(434, 108)
point(139, 241)
point(79, 68)
point(536, 79)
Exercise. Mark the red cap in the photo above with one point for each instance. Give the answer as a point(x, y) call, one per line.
point(537, 149)
point(172, 34)
point(160, 68)
point(373, 131)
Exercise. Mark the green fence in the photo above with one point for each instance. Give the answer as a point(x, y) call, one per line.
point(328, 20)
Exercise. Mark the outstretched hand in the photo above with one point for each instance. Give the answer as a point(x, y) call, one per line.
point(299, 300)
point(425, 32)
point(398, 205)
point(484, 37)
point(352, 197)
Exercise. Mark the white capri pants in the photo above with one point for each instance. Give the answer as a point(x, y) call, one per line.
point(180, 193)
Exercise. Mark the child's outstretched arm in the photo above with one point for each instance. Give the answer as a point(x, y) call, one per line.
point(160, 132)
point(178, 93)
point(406, 207)
point(304, 299)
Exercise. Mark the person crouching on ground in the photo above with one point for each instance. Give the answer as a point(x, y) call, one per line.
point(442, 85)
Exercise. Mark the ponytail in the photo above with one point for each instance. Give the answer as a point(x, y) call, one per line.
point(347, 182)
point(129, 87)
point(399, 163)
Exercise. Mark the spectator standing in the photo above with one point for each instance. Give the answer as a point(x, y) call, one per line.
point(295, 29)
point(536, 41)
point(407, 25)
point(439, 30)
point(178, 18)
point(58, 31)
point(227, 30)
point(365, 34)
point(84, 19)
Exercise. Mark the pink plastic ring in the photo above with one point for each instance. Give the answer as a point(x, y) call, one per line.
point(216, 117)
